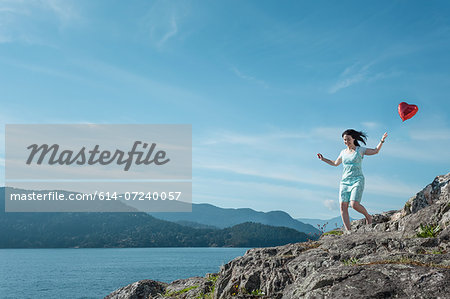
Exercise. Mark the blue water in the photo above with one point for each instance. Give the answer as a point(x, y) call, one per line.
point(96, 272)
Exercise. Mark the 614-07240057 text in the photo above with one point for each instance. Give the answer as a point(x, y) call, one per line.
point(97, 195)
point(134, 195)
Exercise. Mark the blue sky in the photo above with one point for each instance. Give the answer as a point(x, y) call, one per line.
point(265, 84)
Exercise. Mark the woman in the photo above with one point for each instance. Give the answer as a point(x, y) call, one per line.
point(352, 183)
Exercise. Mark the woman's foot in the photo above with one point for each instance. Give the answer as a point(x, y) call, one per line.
point(369, 219)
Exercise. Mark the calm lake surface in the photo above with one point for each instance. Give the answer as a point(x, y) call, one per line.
point(96, 272)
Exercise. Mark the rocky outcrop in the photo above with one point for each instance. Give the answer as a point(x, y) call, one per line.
point(142, 289)
point(402, 254)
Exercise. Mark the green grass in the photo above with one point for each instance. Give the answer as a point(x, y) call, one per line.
point(440, 251)
point(434, 251)
point(310, 245)
point(170, 294)
point(257, 292)
point(334, 232)
point(351, 261)
point(404, 261)
point(428, 231)
point(209, 295)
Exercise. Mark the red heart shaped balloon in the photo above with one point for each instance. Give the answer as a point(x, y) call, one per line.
point(406, 111)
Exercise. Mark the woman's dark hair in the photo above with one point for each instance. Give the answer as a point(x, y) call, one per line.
point(358, 136)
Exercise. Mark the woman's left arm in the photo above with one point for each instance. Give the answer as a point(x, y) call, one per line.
point(373, 151)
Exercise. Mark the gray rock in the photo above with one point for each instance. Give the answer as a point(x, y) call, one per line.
point(194, 287)
point(386, 259)
point(143, 289)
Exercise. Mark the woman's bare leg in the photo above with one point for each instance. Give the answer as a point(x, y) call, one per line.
point(358, 207)
point(344, 215)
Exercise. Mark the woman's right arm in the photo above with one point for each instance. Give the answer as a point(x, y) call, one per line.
point(337, 162)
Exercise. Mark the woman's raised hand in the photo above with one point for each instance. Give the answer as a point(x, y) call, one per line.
point(384, 137)
point(320, 156)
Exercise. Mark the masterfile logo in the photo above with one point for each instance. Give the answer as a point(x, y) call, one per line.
point(91, 157)
point(89, 167)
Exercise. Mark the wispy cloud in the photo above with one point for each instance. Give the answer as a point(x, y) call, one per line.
point(45, 70)
point(283, 173)
point(357, 73)
point(169, 93)
point(162, 22)
point(230, 137)
point(331, 204)
point(370, 124)
point(328, 133)
point(272, 135)
point(351, 75)
point(437, 134)
point(382, 185)
point(23, 21)
point(173, 29)
point(261, 196)
point(66, 11)
point(248, 78)
point(418, 150)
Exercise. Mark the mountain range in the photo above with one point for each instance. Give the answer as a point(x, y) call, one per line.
point(130, 229)
point(325, 225)
point(213, 216)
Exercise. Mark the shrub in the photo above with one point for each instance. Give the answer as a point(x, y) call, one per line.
point(428, 231)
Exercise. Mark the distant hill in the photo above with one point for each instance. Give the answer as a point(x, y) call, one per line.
point(195, 224)
point(211, 215)
point(333, 223)
point(128, 229)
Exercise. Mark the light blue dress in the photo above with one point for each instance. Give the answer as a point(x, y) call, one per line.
point(352, 182)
